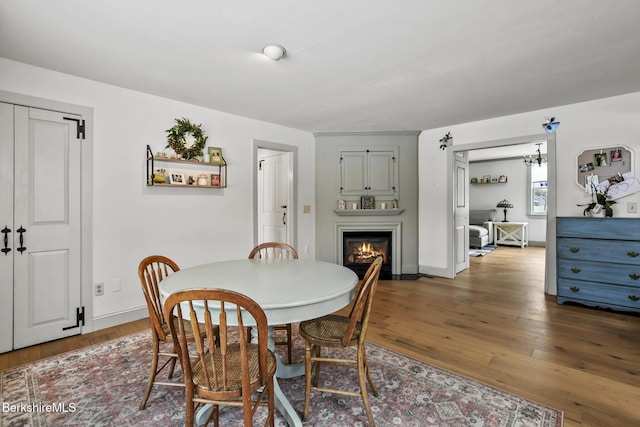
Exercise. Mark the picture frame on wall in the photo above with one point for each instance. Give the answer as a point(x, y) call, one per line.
point(177, 178)
point(215, 155)
point(366, 202)
point(616, 155)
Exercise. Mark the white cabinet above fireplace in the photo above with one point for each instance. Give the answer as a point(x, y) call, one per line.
point(364, 171)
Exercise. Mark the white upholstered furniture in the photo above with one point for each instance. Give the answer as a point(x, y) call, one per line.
point(481, 227)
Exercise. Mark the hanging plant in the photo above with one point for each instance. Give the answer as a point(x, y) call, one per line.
point(186, 139)
point(444, 141)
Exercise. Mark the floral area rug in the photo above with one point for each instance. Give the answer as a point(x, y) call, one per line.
point(102, 385)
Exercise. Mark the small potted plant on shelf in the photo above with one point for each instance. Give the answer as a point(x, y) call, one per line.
point(600, 203)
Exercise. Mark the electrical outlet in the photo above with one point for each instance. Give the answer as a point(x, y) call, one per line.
point(632, 207)
point(99, 289)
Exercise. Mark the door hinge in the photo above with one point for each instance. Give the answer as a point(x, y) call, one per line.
point(80, 127)
point(79, 318)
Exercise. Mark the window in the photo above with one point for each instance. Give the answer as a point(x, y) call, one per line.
point(538, 186)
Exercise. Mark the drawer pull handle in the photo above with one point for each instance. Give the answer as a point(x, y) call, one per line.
point(575, 250)
point(634, 298)
point(577, 289)
point(575, 269)
point(634, 276)
point(633, 254)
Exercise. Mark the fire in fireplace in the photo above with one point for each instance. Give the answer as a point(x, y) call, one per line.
point(361, 248)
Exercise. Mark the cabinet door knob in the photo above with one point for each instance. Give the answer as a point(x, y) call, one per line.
point(575, 289)
point(634, 276)
point(634, 298)
point(632, 254)
point(575, 250)
point(575, 270)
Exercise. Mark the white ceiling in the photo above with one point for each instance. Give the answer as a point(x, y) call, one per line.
point(351, 65)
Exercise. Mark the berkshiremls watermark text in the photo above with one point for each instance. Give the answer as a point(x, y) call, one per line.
point(39, 407)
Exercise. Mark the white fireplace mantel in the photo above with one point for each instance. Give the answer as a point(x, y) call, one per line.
point(396, 239)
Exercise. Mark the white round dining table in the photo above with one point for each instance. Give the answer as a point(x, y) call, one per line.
point(287, 290)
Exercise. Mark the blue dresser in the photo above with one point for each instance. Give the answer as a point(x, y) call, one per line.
point(599, 262)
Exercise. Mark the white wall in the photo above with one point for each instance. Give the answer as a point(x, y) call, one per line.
point(131, 220)
point(599, 123)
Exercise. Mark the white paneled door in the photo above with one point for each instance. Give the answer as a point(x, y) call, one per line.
point(461, 212)
point(273, 198)
point(44, 241)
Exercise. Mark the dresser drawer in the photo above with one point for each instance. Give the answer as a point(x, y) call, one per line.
point(598, 228)
point(613, 251)
point(598, 294)
point(603, 272)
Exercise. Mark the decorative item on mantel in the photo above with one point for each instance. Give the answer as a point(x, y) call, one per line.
point(504, 204)
point(550, 125)
point(186, 139)
point(601, 206)
point(445, 141)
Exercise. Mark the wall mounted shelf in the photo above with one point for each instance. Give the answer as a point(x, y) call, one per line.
point(187, 168)
point(368, 212)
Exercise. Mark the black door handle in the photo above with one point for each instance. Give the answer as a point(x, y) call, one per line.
point(6, 232)
point(22, 247)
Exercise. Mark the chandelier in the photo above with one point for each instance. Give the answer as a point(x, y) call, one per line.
point(536, 159)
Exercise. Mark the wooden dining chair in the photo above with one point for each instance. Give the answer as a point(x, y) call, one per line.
point(229, 370)
point(151, 271)
point(342, 331)
point(273, 250)
point(277, 250)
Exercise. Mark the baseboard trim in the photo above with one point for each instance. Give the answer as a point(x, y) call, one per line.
point(434, 271)
point(115, 319)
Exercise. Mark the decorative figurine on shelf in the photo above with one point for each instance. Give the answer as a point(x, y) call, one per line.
point(191, 180)
point(159, 176)
point(186, 139)
point(395, 203)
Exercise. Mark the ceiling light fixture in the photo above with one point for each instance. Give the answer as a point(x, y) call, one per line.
point(274, 51)
point(535, 160)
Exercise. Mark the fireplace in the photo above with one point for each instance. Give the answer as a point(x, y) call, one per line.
point(360, 248)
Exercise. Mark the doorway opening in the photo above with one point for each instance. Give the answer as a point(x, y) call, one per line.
point(511, 149)
point(274, 192)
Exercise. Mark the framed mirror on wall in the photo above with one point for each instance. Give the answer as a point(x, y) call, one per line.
point(599, 168)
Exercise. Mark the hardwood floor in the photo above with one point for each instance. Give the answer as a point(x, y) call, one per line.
point(492, 323)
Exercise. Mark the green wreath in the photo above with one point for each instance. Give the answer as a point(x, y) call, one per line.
point(176, 139)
